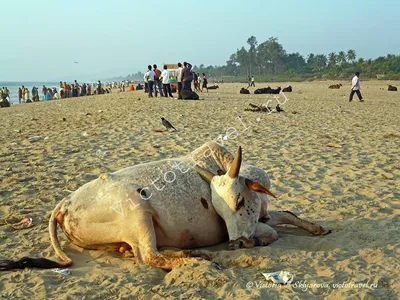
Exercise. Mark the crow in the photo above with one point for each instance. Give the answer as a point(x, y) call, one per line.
point(167, 124)
point(279, 109)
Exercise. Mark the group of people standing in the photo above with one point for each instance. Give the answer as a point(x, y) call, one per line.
point(65, 90)
point(75, 89)
point(157, 81)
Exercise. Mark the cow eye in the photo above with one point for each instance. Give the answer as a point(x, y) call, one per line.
point(240, 204)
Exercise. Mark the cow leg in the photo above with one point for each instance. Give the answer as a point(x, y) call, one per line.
point(264, 235)
point(287, 217)
point(145, 241)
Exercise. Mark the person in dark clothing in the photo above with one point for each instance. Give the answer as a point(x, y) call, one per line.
point(196, 82)
point(205, 82)
point(187, 76)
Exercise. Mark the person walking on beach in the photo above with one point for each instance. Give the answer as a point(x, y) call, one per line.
point(75, 90)
point(88, 89)
point(166, 83)
point(99, 88)
point(20, 95)
point(187, 76)
point(355, 88)
point(196, 82)
point(179, 79)
point(252, 81)
point(26, 96)
point(44, 90)
point(205, 82)
point(149, 76)
point(157, 81)
point(33, 93)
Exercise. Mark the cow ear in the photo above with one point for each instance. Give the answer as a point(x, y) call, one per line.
point(255, 186)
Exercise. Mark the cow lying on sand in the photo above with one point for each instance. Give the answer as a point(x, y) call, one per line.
point(244, 91)
point(213, 87)
point(267, 90)
point(187, 95)
point(287, 89)
point(392, 88)
point(335, 86)
point(203, 199)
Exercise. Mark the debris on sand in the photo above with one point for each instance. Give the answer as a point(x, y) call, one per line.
point(256, 108)
point(332, 145)
point(282, 277)
point(23, 224)
point(34, 138)
point(264, 108)
point(391, 136)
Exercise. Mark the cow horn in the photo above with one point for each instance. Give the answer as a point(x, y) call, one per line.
point(235, 167)
point(255, 186)
point(205, 174)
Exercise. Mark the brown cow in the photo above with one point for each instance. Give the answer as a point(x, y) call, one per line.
point(335, 86)
point(392, 88)
point(287, 89)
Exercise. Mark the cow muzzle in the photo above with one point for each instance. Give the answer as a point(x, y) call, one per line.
point(241, 243)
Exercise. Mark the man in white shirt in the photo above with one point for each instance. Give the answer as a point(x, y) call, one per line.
point(355, 87)
point(149, 80)
point(166, 83)
point(178, 77)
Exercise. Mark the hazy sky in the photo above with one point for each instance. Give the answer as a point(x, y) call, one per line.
point(41, 39)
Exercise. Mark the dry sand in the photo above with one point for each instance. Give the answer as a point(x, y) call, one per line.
point(332, 162)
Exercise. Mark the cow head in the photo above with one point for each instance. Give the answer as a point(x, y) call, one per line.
point(235, 199)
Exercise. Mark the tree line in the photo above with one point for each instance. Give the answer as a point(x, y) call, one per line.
point(269, 61)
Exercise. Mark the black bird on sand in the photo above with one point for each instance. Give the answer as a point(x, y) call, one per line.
point(167, 124)
point(279, 109)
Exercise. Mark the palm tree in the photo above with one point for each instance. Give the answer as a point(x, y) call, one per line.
point(320, 62)
point(332, 57)
point(351, 55)
point(341, 57)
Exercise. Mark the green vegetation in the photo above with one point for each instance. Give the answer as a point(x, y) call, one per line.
point(268, 61)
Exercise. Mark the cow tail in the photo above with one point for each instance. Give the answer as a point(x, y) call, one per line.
point(53, 236)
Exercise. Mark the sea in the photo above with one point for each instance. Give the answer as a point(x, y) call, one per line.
point(13, 88)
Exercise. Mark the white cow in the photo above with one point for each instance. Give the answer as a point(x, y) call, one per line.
point(193, 201)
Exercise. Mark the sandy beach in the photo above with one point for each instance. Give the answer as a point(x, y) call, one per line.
point(330, 161)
